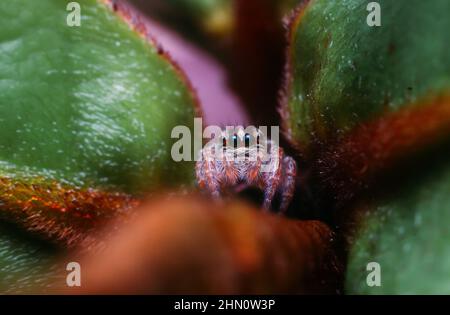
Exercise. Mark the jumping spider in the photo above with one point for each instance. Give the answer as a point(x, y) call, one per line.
point(242, 157)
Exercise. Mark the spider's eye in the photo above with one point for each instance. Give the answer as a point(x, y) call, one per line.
point(224, 142)
point(235, 140)
point(247, 140)
point(257, 140)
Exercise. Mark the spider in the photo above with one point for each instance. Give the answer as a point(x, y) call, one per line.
point(246, 158)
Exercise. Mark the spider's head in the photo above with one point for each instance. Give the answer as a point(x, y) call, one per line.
point(242, 141)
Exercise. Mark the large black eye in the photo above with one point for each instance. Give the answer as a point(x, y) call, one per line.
point(235, 140)
point(247, 140)
point(257, 140)
point(224, 142)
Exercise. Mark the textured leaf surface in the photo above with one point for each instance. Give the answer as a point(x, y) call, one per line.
point(342, 72)
point(26, 265)
point(370, 108)
point(408, 236)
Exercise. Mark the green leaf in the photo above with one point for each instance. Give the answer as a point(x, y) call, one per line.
point(342, 72)
point(95, 104)
point(408, 236)
point(26, 264)
point(370, 107)
point(86, 115)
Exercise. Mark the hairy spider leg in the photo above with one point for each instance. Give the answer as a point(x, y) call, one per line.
point(272, 179)
point(287, 187)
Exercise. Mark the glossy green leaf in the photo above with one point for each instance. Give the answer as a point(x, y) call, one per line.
point(95, 104)
point(85, 111)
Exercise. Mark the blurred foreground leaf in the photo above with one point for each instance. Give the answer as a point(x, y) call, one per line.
point(188, 245)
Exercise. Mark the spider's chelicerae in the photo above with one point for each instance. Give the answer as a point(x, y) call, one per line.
point(242, 157)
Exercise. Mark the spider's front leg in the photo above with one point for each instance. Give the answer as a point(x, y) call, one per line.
point(272, 178)
point(287, 184)
point(207, 178)
point(269, 193)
